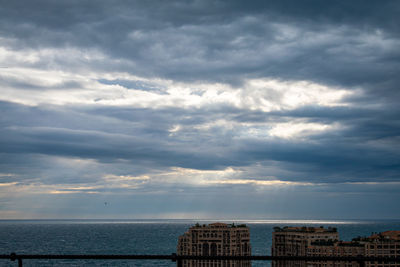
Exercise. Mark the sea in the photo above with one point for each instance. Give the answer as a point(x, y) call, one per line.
point(143, 237)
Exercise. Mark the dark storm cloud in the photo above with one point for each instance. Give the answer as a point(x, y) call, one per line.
point(364, 150)
point(341, 42)
point(56, 132)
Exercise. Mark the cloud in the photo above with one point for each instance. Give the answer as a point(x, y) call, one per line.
point(324, 143)
point(260, 182)
point(314, 43)
point(200, 98)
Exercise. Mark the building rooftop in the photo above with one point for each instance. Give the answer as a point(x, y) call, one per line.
point(379, 237)
point(387, 235)
point(218, 225)
point(336, 243)
point(305, 229)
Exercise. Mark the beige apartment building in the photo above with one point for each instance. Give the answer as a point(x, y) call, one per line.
point(294, 241)
point(307, 243)
point(385, 244)
point(339, 248)
point(215, 239)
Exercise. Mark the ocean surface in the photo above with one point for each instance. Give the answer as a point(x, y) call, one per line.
point(140, 237)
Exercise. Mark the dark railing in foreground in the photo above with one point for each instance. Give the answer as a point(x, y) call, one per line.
point(179, 258)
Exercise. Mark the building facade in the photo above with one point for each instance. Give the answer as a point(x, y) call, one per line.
point(216, 239)
point(306, 241)
point(339, 248)
point(385, 244)
point(294, 241)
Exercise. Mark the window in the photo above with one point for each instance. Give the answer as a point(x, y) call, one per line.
point(205, 249)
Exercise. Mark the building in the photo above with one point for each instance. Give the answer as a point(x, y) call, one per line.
point(215, 239)
point(385, 244)
point(338, 248)
point(294, 241)
point(311, 242)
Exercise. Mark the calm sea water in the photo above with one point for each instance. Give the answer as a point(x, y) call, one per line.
point(139, 237)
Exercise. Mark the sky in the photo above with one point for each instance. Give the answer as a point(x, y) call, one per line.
point(199, 109)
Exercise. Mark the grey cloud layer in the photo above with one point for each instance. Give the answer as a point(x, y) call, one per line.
point(365, 150)
point(349, 45)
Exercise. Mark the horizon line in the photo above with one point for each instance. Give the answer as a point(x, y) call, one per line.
point(280, 221)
